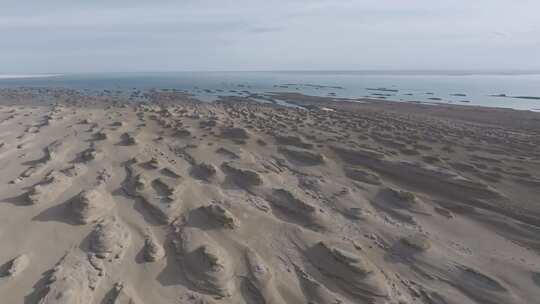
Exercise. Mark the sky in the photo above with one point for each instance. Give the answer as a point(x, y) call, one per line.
point(78, 36)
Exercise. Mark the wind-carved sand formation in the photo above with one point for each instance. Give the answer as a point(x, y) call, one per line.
point(236, 201)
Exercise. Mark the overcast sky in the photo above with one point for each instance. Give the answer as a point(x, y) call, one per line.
point(55, 36)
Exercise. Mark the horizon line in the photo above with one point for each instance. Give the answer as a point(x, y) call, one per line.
point(373, 71)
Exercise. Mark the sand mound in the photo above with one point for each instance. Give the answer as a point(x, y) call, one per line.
point(228, 153)
point(158, 192)
point(128, 139)
point(261, 278)
point(90, 154)
point(354, 273)
point(403, 198)
point(101, 135)
point(85, 121)
point(152, 250)
point(206, 265)
point(350, 203)
point(316, 292)
point(292, 140)
point(154, 163)
point(303, 156)
point(72, 281)
point(53, 150)
point(222, 216)
point(28, 172)
point(362, 176)
point(357, 156)
point(418, 242)
point(296, 209)
point(400, 204)
point(16, 266)
point(109, 239)
point(182, 133)
point(235, 133)
point(204, 171)
point(242, 176)
point(91, 205)
point(483, 288)
point(54, 184)
point(122, 294)
point(210, 123)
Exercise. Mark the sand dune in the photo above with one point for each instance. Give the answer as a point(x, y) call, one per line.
point(242, 202)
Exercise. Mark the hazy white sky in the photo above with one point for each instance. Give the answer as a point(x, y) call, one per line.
point(53, 36)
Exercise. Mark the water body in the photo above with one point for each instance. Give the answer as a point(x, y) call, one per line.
point(466, 88)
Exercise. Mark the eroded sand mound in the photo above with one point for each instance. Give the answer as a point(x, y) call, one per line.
point(91, 205)
point(353, 272)
point(54, 184)
point(262, 279)
point(109, 239)
point(72, 281)
point(122, 294)
point(16, 266)
point(292, 206)
point(206, 265)
point(159, 192)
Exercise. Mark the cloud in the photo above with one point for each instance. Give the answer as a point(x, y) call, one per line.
point(99, 35)
point(263, 30)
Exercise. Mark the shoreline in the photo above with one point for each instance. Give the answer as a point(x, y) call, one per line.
point(481, 90)
point(296, 97)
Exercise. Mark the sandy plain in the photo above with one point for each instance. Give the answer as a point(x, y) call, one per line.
point(179, 201)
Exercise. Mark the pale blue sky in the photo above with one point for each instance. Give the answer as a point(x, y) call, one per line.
point(58, 36)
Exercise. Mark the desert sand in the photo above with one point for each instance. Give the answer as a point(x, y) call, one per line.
point(332, 201)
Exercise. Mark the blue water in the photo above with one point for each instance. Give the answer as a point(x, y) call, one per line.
point(400, 86)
